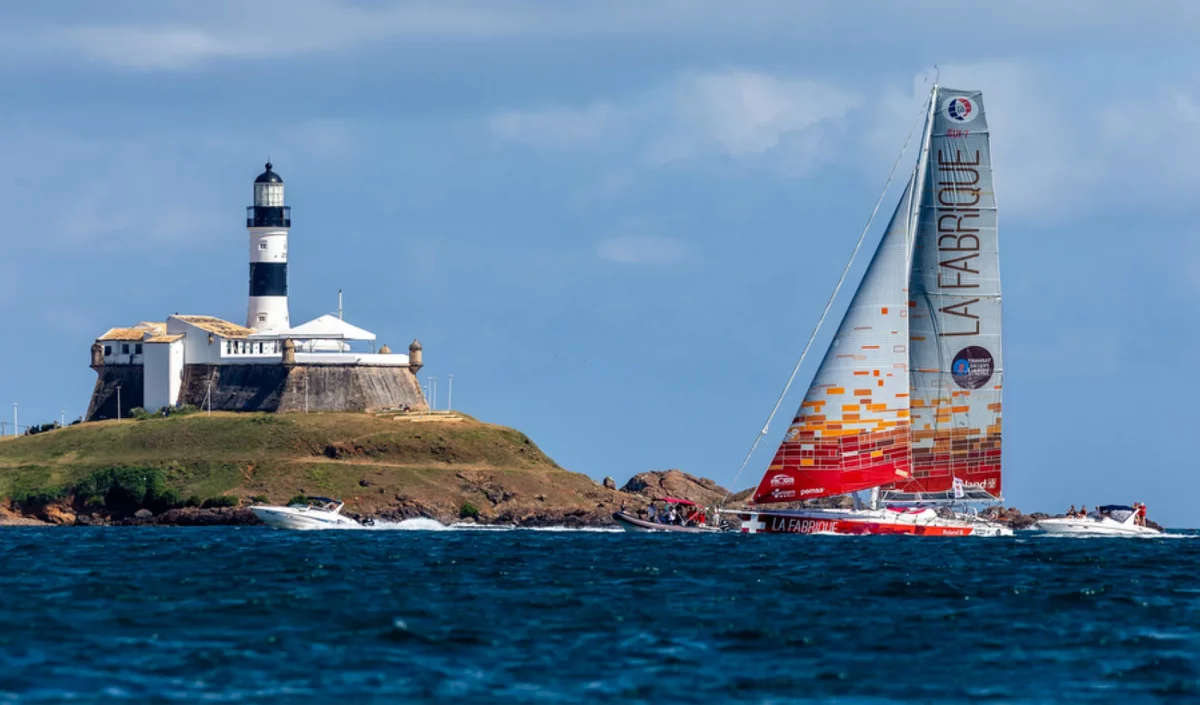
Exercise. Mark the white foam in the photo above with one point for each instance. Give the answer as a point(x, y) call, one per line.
point(423, 524)
point(418, 524)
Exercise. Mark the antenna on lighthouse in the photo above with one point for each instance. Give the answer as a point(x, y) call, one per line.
point(339, 304)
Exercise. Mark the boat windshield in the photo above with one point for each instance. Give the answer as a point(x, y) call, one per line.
point(325, 503)
point(1116, 512)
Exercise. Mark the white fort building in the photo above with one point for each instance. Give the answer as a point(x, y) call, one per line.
point(325, 364)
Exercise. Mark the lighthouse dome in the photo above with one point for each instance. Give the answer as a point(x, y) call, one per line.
point(269, 177)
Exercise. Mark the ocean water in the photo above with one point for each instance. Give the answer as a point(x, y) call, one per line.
point(257, 615)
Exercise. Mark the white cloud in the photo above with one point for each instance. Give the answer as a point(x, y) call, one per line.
point(732, 114)
point(556, 128)
point(1059, 149)
point(173, 36)
point(642, 249)
point(787, 124)
point(146, 189)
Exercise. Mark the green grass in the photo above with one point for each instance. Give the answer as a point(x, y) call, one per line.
point(365, 459)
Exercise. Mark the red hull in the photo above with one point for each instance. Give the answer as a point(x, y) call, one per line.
point(784, 524)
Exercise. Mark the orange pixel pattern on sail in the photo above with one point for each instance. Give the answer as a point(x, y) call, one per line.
point(851, 431)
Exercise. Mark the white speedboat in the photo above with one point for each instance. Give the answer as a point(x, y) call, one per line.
point(1111, 520)
point(318, 513)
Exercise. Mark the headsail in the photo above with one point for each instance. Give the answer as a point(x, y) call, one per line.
point(921, 336)
point(851, 431)
point(955, 308)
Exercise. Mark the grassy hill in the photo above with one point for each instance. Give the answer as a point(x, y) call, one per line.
point(442, 466)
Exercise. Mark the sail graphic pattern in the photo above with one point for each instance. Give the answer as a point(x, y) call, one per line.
point(954, 322)
point(851, 431)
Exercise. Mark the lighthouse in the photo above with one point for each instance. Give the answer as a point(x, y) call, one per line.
point(268, 221)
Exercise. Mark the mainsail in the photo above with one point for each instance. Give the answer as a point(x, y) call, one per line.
point(955, 308)
point(908, 394)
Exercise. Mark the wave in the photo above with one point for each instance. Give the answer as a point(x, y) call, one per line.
point(424, 524)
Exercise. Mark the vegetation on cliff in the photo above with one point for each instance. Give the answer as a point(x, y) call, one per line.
point(382, 465)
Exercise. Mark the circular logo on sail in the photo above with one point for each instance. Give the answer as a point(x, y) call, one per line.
point(961, 109)
point(972, 367)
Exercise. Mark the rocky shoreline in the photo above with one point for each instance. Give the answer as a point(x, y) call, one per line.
point(633, 496)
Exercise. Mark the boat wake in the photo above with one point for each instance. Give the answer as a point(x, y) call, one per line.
point(419, 524)
point(1039, 535)
point(424, 524)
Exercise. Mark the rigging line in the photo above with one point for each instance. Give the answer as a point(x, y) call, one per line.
point(828, 304)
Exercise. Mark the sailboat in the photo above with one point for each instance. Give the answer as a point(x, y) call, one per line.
point(906, 403)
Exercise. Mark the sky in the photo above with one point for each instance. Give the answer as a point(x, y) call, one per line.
point(616, 222)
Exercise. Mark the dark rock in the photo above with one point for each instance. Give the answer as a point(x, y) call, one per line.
point(610, 483)
point(84, 520)
point(364, 482)
point(675, 483)
point(141, 514)
point(191, 516)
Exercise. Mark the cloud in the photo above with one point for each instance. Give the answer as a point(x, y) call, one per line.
point(1061, 148)
point(149, 189)
point(739, 115)
point(555, 128)
point(642, 249)
point(744, 114)
point(175, 36)
point(186, 36)
point(265, 29)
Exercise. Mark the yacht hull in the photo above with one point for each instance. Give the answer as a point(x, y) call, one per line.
point(858, 522)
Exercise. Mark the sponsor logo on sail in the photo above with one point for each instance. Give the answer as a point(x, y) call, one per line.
point(961, 109)
point(781, 480)
point(812, 490)
point(972, 367)
point(783, 494)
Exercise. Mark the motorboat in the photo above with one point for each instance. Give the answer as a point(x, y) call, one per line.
point(1109, 520)
point(691, 518)
point(316, 513)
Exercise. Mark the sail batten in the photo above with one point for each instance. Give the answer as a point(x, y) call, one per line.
point(908, 394)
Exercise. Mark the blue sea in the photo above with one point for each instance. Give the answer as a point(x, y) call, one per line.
point(250, 614)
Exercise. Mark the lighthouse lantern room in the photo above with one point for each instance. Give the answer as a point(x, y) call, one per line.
point(268, 221)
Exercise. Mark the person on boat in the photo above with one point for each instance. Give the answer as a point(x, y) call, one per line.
point(1140, 510)
point(652, 513)
point(1083, 512)
point(1071, 512)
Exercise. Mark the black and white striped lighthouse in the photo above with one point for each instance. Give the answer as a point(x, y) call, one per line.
point(268, 221)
